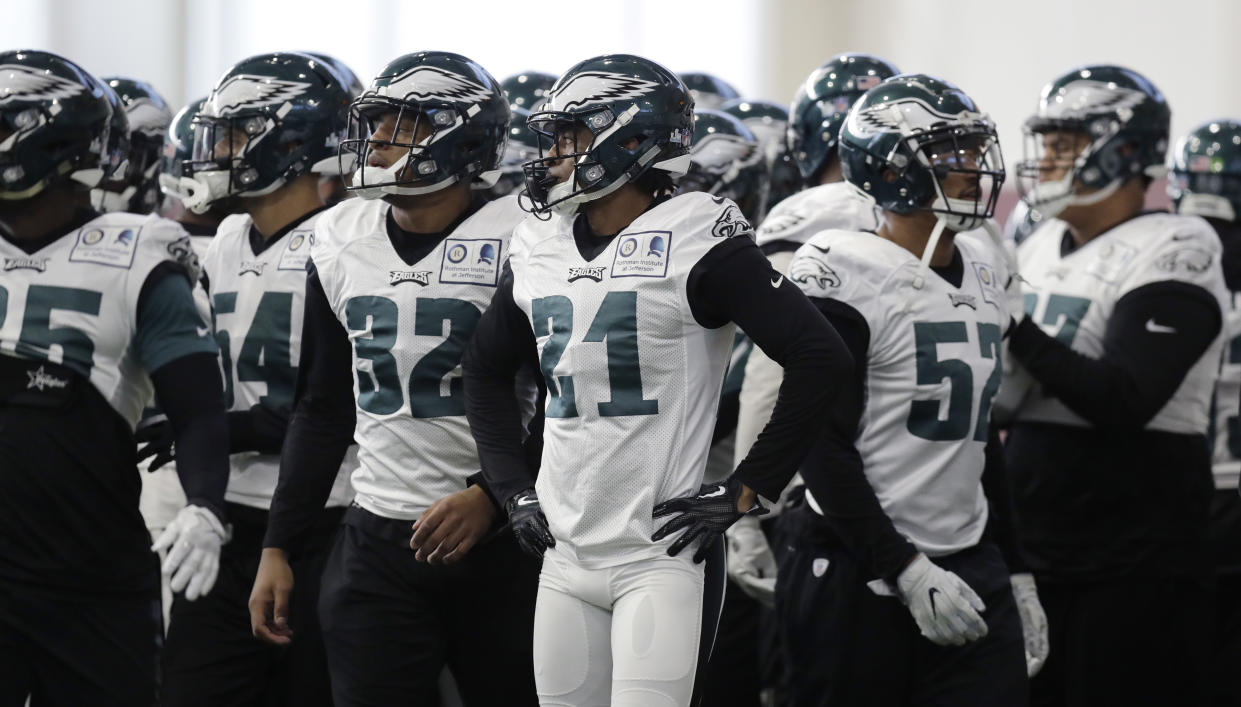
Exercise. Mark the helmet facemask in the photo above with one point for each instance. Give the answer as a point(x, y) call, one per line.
point(601, 165)
point(244, 154)
point(423, 131)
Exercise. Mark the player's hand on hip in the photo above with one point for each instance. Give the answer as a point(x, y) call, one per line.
point(946, 609)
point(751, 566)
point(269, 600)
point(447, 530)
point(525, 517)
point(155, 440)
point(193, 540)
point(1033, 622)
point(706, 515)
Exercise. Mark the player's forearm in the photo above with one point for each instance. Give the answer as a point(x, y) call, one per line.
point(321, 426)
point(503, 342)
point(741, 287)
point(191, 394)
point(1154, 337)
point(320, 432)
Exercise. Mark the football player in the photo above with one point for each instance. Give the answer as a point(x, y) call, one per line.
point(524, 93)
point(96, 312)
point(828, 202)
point(398, 280)
point(1108, 457)
point(894, 593)
point(267, 150)
point(628, 300)
point(137, 189)
point(162, 496)
point(1206, 181)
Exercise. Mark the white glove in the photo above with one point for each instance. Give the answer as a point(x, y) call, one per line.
point(750, 562)
point(946, 609)
point(193, 539)
point(1033, 622)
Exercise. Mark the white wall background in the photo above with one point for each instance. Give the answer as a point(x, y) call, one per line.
point(999, 51)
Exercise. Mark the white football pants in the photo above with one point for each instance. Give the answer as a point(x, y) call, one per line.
point(625, 636)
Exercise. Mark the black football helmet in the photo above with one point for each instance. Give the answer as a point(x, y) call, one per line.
point(821, 103)
point(57, 122)
point(449, 117)
point(726, 160)
point(137, 190)
point(1125, 122)
point(1206, 171)
point(639, 115)
point(270, 119)
point(525, 92)
point(708, 90)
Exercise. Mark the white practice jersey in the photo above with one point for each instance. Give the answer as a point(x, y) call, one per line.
point(409, 326)
point(838, 206)
point(258, 300)
point(932, 369)
point(75, 301)
point(634, 381)
point(1072, 298)
point(1226, 427)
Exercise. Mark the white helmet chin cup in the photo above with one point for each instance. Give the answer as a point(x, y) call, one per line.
point(958, 215)
point(203, 189)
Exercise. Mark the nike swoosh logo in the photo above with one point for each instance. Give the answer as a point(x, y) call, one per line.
point(777, 282)
point(1182, 236)
point(821, 250)
point(203, 331)
point(713, 494)
point(931, 594)
point(527, 501)
point(1154, 328)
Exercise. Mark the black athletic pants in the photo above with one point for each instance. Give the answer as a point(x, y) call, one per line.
point(849, 647)
point(1133, 642)
point(1225, 666)
point(211, 657)
point(390, 623)
point(62, 651)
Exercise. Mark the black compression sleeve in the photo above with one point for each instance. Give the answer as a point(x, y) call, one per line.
point(503, 342)
point(321, 426)
point(735, 282)
point(260, 429)
point(1155, 335)
point(833, 471)
point(191, 394)
point(999, 495)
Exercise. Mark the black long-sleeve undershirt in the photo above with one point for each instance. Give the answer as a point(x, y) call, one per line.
point(191, 394)
point(1143, 363)
point(733, 282)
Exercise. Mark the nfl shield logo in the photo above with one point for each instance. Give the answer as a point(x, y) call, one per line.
point(819, 567)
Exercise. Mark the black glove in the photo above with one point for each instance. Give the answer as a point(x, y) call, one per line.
point(155, 437)
point(528, 523)
point(704, 516)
